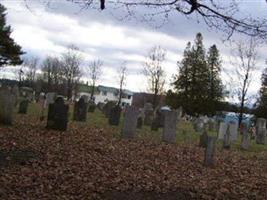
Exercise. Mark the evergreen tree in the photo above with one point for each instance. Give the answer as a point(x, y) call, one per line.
point(215, 82)
point(9, 51)
point(198, 83)
point(261, 110)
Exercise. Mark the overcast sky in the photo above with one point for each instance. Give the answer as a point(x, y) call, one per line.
point(47, 30)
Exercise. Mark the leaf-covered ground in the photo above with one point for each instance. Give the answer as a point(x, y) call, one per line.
point(91, 163)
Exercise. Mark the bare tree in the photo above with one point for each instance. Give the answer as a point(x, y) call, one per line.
point(224, 16)
point(52, 72)
point(94, 74)
point(71, 61)
point(31, 64)
point(155, 73)
point(122, 75)
point(245, 56)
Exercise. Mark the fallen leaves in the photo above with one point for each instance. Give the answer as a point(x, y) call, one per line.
point(90, 163)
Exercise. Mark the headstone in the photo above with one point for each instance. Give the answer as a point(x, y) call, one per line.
point(23, 106)
point(148, 112)
point(57, 118)
point(85, 98)
point(50, 98)
point(245, 143)
point(227, 138)
point(100, 106)
point(91, 106)
point(222, 130)
point(261, 135)
point(179, 112)
point(198, 125)
point(203, 139)
point(169, 129)
point(210, 151)
point(80, 110)
point(15, 92)
point(212, 125)
point(115, 115)
point(233, 127)
point(154, 125)
point(139, 122)
point(7, 102)
point(130, 122)
point(107, 108)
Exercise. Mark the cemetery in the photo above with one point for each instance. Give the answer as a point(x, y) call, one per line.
point(111, 162)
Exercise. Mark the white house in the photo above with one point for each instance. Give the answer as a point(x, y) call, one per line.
point(104, 94)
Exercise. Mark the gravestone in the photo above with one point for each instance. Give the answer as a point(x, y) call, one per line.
point(91, 106)
point(50, 98)
point(227, 138)
point(107, 108)
point(210, 151)
point(179, 112)
point(154, 125)
point(169, 129)
point(115, 115)
point(139, 122)
point(7, 103)
point(198, 125)
point(222, 130)
point(261, 135)
point(85, 98)
point(130, 122)
point(149, 114)
point(203, 139)
point(80, 110)
point(57, 118)
point(245, 143)
point(15, 92)
point(233, 128)
point(23, 106)
point(212, 126)
point(100, 106)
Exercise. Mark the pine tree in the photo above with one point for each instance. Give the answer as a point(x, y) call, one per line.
point(198, 83)
point(261, 110)
point(215, 82)
point(9, 51)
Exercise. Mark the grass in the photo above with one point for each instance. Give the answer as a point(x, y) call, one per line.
point(185, 132)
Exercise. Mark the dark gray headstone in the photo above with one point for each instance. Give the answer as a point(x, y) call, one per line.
point(130, 122)
point(245, 143)
point(91, 106)
point(210, 151)
point(80, 110)
point(139, 122)
point(107, 108)
point(57, 118)
point(114, 116)
point(23, 106)
point(169, 129)
point(261, 133)
point(227, 138)
point(203, 139)
point(149, 114)
point(7, 103)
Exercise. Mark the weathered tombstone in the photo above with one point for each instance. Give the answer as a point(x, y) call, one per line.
point(7, 102)
point(130, 122)
point(85, 98)
point(198, 125)
point(107, 108)
point(179, 112)
point(57, 118)
point(115, 115)
point(245, 143)
point(100, 106)
point(15, 92)
point(80, 110)
point(50, 98)
point(212, 125)
point(210, 151)
point(227, 138)
point(139, 122)
point(261, 135)
point(23, 106)
point(154, 125)
point(233, 128)
point(149, 114)
point(169, 129)
point(91, 106)
point(222, 130)
point(203, 139)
